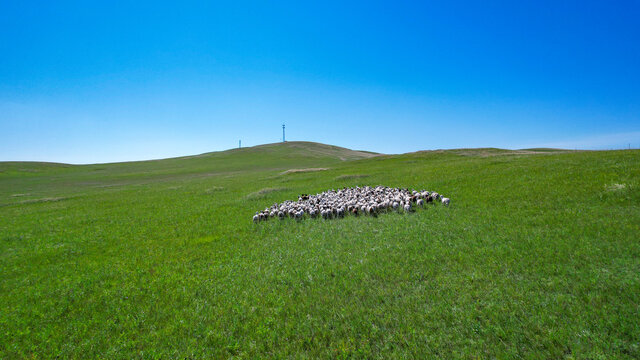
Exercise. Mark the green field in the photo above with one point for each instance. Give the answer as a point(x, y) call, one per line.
point(538, 256)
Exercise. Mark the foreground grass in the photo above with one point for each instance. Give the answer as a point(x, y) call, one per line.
point(537, 257)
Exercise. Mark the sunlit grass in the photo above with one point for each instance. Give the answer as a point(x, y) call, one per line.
point(537, 257)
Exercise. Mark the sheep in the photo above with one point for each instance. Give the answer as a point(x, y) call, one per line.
point(359, 200)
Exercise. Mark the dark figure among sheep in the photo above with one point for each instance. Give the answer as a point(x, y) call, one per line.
point(358, 200)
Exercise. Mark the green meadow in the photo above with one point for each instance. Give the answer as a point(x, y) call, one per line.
point(537, 257)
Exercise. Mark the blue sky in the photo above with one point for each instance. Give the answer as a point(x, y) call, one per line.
point(86, 82)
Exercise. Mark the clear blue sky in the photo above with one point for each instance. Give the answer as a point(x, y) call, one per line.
point(84, 82)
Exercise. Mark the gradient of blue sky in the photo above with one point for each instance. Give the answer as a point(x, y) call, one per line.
point(85, 82)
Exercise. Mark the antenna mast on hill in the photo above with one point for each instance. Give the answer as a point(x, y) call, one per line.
point(283, 140)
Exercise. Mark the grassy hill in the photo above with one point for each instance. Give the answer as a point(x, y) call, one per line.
point(35, 180)
point(537, 257)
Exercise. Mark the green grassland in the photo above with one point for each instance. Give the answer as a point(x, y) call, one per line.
point(538, 256)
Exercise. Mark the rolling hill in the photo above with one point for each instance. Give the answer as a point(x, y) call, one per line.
point(537, 257)
point(38, 178)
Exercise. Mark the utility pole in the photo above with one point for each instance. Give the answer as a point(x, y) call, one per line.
point(283, 139)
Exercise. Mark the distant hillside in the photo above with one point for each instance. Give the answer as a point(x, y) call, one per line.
point(485, 152)
point(303, 148)
point(277, 156)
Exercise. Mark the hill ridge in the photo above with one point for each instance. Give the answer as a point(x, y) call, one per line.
point(301, 145)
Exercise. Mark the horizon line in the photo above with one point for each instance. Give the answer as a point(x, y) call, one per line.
point(314, 142)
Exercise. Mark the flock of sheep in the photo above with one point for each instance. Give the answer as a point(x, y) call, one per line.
point(358, 200)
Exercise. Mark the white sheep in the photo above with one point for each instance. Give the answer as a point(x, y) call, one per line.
point(341, 202)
